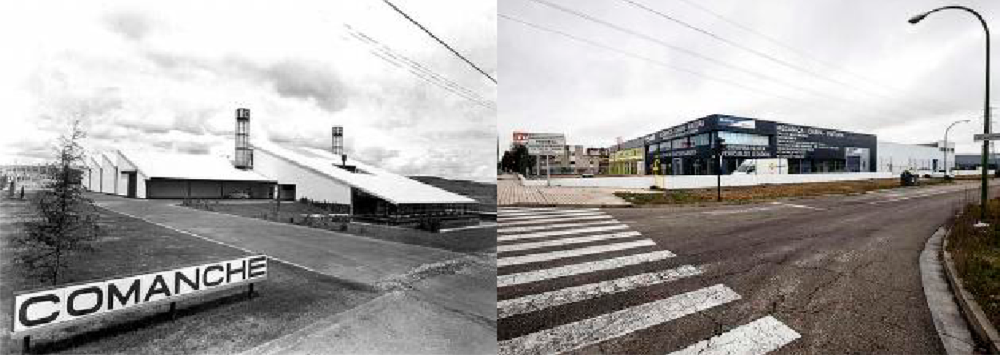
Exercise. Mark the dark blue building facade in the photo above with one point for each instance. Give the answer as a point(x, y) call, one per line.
point(687, 149)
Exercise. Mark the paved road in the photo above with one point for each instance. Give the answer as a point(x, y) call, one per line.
point(825, 275)
point(438, 301)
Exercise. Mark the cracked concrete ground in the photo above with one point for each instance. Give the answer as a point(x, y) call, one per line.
point(845, 274)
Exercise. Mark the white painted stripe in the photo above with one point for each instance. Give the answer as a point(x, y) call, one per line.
point(509, 237)
point(537, 302)
point(553, 226)
point(562, 219)
point(548, 216)
point(582, 268)
point(798, 206)
point(565, 241)
point(740, 210)
point(528, 208)
point(562, 254)
point(755, 338)
point(551, 212)
point(608, 326)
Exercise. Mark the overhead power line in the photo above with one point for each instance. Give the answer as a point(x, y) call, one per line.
point(428, 32)
point(792, 49)
point(746, 48)
point(387, 54)
point(651, 60)
point(758, 53)
point(695, 54)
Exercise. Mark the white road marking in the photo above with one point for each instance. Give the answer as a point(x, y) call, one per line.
point(553, 226)
point(529, 208)
point(907, 197)
point(565, 241)
point(612, 325)
point(536, 302)
point(741, 210)
point(509, 237)
point(548, 216)
point(798, 206)
point(582, 268)
point(755, 338)
point(562, 254)
point(550, 212)
point(559, 219)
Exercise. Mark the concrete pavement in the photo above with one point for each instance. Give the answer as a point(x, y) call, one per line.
point(510, 192)
point(836, 274)
point(437, 301)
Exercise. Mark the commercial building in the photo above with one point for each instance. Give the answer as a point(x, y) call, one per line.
point(264, 170)
point(571, 159)
point(687, 149)
point(975, 161)
point(628, 158)
point(928, 157)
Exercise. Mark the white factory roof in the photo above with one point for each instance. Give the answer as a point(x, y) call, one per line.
point(188, 166)
point(391, 187)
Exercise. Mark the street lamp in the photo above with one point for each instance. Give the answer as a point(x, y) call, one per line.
point(946, 144)
point(986, 107)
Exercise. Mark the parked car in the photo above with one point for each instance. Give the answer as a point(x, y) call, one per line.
point(238, 195)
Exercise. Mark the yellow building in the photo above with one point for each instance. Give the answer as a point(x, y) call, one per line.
point(627, 162)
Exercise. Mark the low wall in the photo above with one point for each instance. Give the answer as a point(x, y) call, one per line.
point(704, 181)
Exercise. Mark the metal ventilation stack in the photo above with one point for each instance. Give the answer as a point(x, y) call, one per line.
point(338, 144)
point(244, 154)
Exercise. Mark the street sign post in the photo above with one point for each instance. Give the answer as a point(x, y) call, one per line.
point(547, 144)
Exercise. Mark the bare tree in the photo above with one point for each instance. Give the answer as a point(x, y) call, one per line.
point(65, 220)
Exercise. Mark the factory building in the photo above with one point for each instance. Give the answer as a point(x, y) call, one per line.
point(687, 149)
point(264, 170)
point(928, 157)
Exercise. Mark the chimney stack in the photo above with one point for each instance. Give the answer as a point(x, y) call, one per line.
point(338, 144)
point(244, 154)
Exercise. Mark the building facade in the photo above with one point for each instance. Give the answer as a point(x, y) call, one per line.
point(628, 158)
point(687, 149)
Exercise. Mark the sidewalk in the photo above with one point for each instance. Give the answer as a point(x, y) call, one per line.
point(510, 192)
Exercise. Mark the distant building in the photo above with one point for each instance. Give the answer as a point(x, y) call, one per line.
point(264, 170)
point(628, 158)
point(896, 157)
point(975, 162)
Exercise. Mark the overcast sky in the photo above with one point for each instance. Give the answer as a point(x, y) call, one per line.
point(168, 76)
point(854, 65)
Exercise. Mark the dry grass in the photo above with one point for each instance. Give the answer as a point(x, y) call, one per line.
point(223, 322)
point(744, 194)
point(976, 252)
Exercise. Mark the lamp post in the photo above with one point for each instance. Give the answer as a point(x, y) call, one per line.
point(986, 106)
point(946, 144)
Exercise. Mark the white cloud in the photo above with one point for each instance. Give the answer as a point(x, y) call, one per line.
point(168, 76)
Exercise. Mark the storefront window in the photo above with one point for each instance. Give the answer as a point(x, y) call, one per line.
point(744, 138)
point(700, 140)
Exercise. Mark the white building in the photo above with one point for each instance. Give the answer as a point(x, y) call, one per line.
point(264, 170)
point(896, 157)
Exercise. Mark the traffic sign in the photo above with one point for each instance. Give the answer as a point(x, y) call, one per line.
point(546, 144)
point(986, 137)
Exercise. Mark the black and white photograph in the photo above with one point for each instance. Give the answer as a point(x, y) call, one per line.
point(248, 177)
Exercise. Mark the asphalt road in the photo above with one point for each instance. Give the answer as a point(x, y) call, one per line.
point(810, 276)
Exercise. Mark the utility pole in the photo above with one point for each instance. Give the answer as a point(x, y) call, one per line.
point(719, 147)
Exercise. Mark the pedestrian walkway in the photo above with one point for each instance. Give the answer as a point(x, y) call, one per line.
point(510, 192)
point(530, 239)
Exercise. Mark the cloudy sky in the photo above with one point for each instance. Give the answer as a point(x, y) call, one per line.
point(168, 76)
point(847, 64)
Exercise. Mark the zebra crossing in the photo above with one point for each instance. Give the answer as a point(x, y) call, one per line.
point(539, 236)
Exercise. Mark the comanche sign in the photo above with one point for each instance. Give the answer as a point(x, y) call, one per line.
point(38, 309)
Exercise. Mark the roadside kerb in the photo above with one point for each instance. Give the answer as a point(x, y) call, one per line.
point(973, 313)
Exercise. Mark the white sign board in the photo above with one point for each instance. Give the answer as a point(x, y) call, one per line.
point(546, 144)
point(43, 308)
point(987, 137)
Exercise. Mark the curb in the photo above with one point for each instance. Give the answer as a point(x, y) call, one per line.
point(974, 315)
